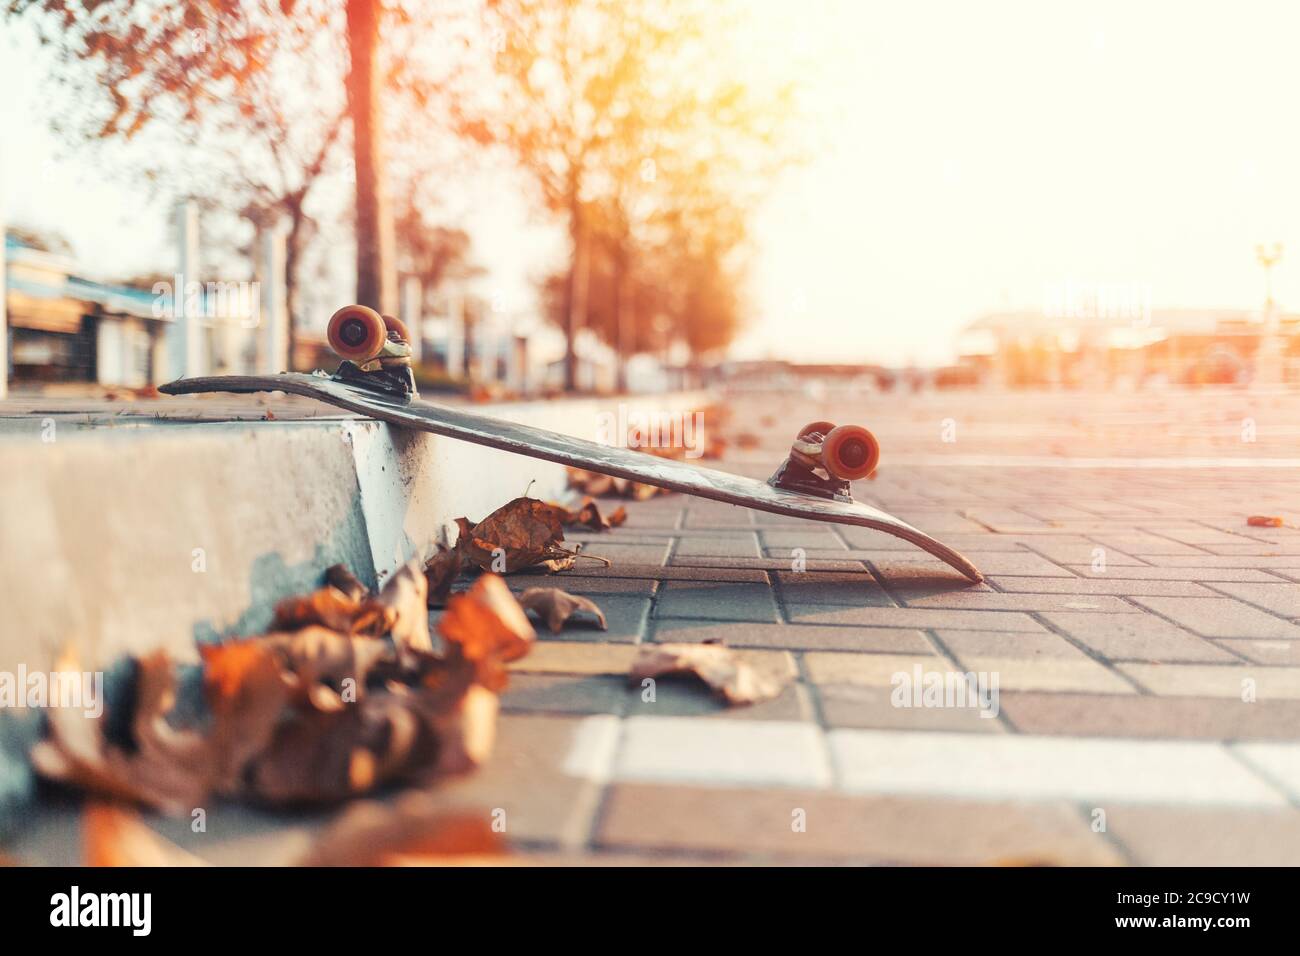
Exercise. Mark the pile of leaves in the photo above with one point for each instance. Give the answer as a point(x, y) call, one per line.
point(344, 695)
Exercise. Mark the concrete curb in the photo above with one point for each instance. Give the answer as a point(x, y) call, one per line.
point(129, 539)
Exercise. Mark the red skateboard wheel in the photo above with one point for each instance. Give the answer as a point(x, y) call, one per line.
point(356, 332)
point(850, 452)
point(824, 428)
point(394, 324)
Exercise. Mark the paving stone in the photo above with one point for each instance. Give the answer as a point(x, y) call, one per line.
point(910, 617)
point(625, 619)
point(1140, 542)
point(1221, 617)
point(1209, 680)
point(769, 564)
point(565, 694)
point(1145, 716)
point(686, 696)
point(1284, 653)
point(1049, 674)
point(819, 538)
point(669, 573)
point(1015, 766)
point(993, 601)
point(851, 705)
point(734, 517)
point(882, 830)
point(1205, 562)
point(1116, 586)
point(717, 601)
point(1078, 551)
point(868, 670)
point(651, 554)
point(563, 760)
point(1198, 534)
point(1135, 637)
point(576, 657)
point(856, 588)
point(1281, 599)
point(1279, 762)
point(716, 544)
point(793, 636)
point(989, 562)
point(966, 644)
point(1202, 836)
point(723, 752)
point(584, 584)
point(1171, 574)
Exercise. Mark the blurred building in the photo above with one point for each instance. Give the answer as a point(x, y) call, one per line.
point(66, 328)
point(1175, 346)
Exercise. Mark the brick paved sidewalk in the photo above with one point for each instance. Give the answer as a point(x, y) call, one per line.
point(1144, 639)
point(1127, 613)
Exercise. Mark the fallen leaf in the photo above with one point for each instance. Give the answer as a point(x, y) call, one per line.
point(167, 768)
point(340, 577)
point(488, 627)
point(440, 573)
point(520, 534)
point(114, 836)
point(716, 665)
point(1265, 521)
point(405, 600)
point(246, 691)
point(322, 660)
point(555, 607)
point(332, 608)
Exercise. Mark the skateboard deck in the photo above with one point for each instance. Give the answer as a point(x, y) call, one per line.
point(666, 473)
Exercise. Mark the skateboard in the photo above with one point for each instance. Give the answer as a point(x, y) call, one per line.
point(375, 381)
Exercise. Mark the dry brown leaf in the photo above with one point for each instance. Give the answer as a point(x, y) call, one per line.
point(114, 836)
point(489, 628)
point(555, 607)
point(416, 828)
point(246, 691)
point(1265, 521)
point(169, 769)
point(322, 660)
point(405, 600)
point(340, 577)
point(520, 534)
point(329, 607)
point(440, 573)
point(717, 666)
point(325, 757)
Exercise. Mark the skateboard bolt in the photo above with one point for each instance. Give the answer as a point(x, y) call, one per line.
point(853, 453)
point(352, 332)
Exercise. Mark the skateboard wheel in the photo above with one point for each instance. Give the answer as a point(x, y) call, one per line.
point(823, 428)
point(356, 332)
point(394, 324)
point(850, 452)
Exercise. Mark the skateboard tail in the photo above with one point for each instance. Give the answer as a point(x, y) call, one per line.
point(578, 453)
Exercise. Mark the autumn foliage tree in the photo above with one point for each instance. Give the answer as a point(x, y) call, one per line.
point(644, 146)
point(263, 89)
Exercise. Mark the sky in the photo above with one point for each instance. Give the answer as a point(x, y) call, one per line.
point(971, 156)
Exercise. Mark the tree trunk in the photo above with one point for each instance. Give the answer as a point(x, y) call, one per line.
point(623, 315)
point(292, 255)
point(376, 268)
point(576, 313)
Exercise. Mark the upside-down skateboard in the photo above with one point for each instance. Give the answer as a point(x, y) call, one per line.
point(375, 381)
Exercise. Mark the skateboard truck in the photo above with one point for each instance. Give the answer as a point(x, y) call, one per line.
point(375, 349)
point(825, 458)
